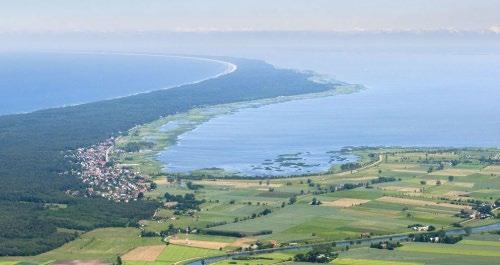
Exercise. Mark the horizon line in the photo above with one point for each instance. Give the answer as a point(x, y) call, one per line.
point(494, 30)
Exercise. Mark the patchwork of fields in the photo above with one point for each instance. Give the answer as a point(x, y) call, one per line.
point(405, 187)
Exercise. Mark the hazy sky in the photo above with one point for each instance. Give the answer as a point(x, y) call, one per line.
point(201, 15)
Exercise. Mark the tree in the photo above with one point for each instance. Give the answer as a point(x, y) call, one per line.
point(190, 185)
point(266, 211)
point(319, 254)
point(451, 178)
point(315, 201)
point(349, 166)
point(485, 209)
point(292, 199)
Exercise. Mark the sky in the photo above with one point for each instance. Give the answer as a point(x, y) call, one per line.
point(247, 15)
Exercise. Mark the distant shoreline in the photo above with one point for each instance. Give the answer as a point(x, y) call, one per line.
point(230, 68)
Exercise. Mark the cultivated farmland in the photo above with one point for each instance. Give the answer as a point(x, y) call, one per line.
point(404, 187)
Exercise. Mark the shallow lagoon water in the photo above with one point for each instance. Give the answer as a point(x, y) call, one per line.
point(33, 81)
point(421, 98)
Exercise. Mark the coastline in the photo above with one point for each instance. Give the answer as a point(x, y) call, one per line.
point(83, 126)
point(147, 161)
point(41, 152)
point(230, 68)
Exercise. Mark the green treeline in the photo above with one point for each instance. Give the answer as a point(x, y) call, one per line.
point(35, 170)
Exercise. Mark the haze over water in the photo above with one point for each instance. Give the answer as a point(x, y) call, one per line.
point(420, 97)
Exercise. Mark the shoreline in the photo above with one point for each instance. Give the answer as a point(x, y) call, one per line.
point(230, 68)
point(190, 120)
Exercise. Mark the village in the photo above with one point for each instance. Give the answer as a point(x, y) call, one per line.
point(106, 179)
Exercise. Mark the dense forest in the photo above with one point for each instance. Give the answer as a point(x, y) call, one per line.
point(34, 170)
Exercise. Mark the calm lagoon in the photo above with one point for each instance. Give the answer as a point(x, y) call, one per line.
point(414, 98)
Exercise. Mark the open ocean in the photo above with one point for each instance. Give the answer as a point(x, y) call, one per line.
point(33, 81)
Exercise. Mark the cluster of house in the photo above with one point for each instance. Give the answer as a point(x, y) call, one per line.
point(479, 215)
point(475, 214)
point(421, 228)
point(104, 178)
point(434, 239)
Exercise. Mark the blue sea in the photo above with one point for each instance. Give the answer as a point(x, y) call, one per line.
point(415, 97)
point(34, 81)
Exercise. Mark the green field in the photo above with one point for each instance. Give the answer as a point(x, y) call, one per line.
point(177, 254)
point(106, 244)
point(173, 254)
point(8, 262)
point(483, 249)
point(417, 195)
point(461, 250)
point(347, 261)
point(480, 243)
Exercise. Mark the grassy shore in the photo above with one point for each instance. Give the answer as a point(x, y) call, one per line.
point(155, 137)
